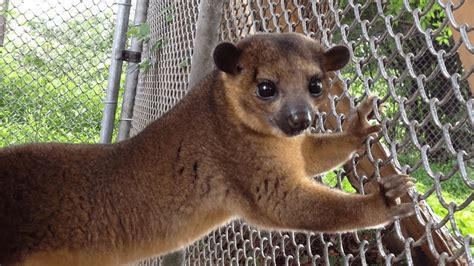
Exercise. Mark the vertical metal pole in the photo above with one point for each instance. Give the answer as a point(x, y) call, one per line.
point(3, 20)
point(207, 37)
point(115, 70)
point(131, 79)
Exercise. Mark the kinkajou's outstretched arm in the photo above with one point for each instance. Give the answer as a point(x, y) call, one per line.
point(311, 206)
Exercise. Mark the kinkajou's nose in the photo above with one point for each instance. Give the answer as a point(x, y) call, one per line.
point(299, 120)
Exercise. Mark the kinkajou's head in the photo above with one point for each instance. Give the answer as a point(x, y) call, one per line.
point(274, 82)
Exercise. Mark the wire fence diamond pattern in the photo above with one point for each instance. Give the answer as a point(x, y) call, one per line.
point(54, 60)
point(404, 54)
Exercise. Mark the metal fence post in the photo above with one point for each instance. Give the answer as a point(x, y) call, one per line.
point(131, 79)
point(207, 37)
point(115, 70)
point(3, 20)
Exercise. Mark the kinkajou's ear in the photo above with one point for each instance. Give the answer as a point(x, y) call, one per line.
point(226, 57)
point(336, 58)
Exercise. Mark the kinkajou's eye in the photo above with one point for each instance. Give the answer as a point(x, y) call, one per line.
point(266, 90)
point(315, 86)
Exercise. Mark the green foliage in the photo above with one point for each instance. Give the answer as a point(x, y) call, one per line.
point(184, 63)
point(452, 190)
point(434, 19)
point(145, 65)
point(53, 82)
point(158, 45)
point(431, 15)
point(141, 32)
point(335, 260)
point(331, 180)
point(168, 12)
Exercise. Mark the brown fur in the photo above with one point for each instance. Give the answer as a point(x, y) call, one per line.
point(216, 156)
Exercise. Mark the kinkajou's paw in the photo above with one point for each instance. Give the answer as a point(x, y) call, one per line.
point(391, 188)
point(357, 124)
point(395, 186)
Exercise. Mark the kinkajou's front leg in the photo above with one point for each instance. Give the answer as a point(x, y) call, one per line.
point(302, 204)
point(312, 206)
point(324, 152)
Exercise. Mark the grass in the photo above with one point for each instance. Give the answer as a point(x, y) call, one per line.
point(452, 190)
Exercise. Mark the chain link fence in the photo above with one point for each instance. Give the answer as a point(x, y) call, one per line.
point(54, 60)
point(404, 52)
point(160, 88)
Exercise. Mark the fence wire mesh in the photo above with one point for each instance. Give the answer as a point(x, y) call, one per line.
point(402, 51)
point(54, 59)
point(172, 23)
